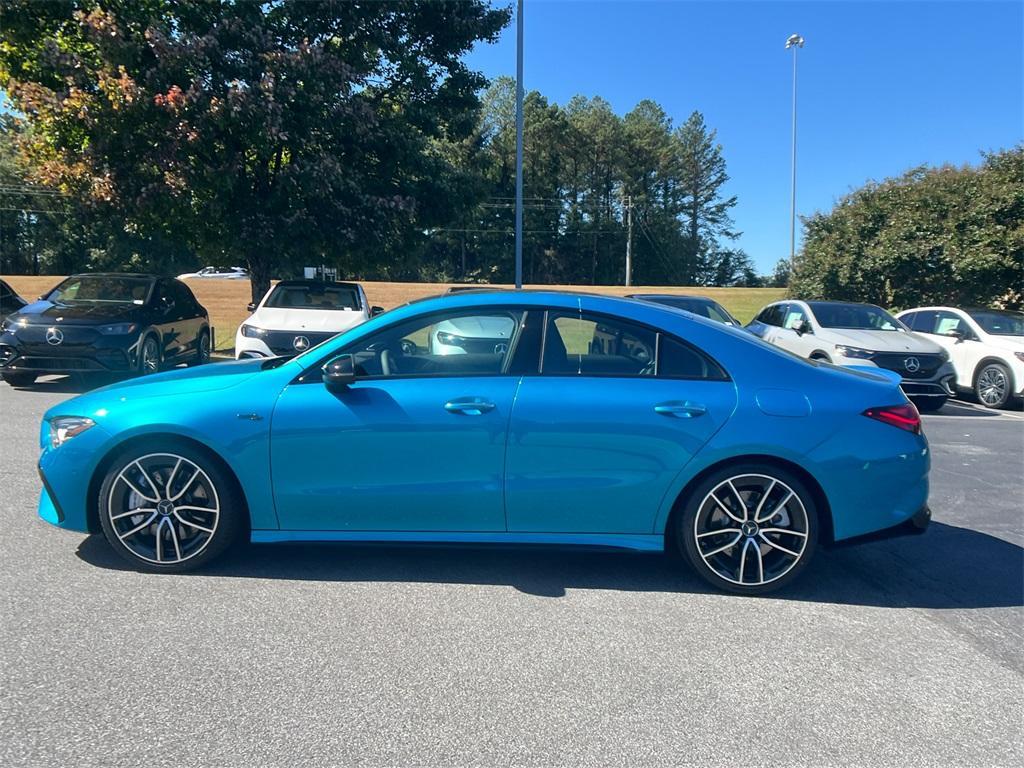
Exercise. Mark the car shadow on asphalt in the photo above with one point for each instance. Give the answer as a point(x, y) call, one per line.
point(948, 567)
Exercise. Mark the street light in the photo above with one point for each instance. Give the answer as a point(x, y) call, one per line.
point(794, 42)
point(519, 144)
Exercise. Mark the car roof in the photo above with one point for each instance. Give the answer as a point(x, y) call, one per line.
point(144, 275)
point(310, 281)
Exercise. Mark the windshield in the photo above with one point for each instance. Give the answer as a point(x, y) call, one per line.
point(111, 289)
point(336, 297)
point(998, 322)
point(863, 317)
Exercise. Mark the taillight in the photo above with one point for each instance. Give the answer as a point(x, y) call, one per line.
point(901, 416)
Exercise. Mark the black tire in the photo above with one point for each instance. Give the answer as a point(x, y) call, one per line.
point(820, 357)
point(19, 379)
point(993, 385)
point(202, 355)
point(149, 359)
point(726, 566)
point(183, 537)
point(929, 404)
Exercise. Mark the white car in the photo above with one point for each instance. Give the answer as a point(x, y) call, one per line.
point(482, 335)
point(220, 273)
point(985, 345)
point(860, 335)
point(295, 315)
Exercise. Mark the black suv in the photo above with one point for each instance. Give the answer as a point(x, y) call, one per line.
point(105, 322)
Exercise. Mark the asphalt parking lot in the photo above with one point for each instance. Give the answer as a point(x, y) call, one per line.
point(905, 652)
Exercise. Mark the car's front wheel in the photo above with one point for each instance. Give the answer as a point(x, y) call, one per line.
point(202, 356)
point(149, 356)
point(992, 385)
point(748, 528)
point(171, 508)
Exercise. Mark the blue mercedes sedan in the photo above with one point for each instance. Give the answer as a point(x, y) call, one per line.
point(502, 417)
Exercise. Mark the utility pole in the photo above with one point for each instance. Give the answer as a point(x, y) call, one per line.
point(519, 144)
point(794, 42)
point(629, 240)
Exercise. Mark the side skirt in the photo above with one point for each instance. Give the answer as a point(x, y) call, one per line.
point(640, 542)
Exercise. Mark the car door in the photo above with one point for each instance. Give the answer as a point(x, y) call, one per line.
point(767, 322)
point(189, 318)
point(415, 443)
point(788, 337)
point(942, 327)
point(598, 436)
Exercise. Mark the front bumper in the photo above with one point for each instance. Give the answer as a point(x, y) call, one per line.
point(102, 354)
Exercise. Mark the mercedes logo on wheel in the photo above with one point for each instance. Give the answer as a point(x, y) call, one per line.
point(912, 364)
point(300, 343)
point(54, 336)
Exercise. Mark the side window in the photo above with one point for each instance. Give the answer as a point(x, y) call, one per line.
point(909, 319)
point(465, 343)
point(583, 344)
point(183, 297)
point(794, 316)
point(945, 322)
point(772, 315)
point(681, 361)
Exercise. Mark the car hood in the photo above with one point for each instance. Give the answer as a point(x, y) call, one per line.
point(1009, 343)
point(479, 327)
point(881, 341)
point(47, 313)
point(179, 382)
point(328, 320)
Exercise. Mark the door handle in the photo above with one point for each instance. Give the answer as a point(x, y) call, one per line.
point(681, 410)
point(471, 406)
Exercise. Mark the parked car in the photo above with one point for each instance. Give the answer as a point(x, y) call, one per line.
point(683, 433)
point(986, 347)
point(10, 301)
point(860, 335)
point(699, 305)
point(105, 322)
point(220, 273)
point(295, 315)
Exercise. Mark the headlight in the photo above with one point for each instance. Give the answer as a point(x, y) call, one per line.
point(65, 427)
point(8, 326)
point(252, 332)
point(450, 339)
point(855, 352)
point(118, 329)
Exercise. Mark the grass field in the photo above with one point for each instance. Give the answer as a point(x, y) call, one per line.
point(226, 299)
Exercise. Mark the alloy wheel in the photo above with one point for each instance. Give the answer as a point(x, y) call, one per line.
point(163, 508)
point(992, 386)
point(150, 362)
point(751, 529)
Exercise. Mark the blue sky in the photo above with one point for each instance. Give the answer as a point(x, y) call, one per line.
point(883, 86)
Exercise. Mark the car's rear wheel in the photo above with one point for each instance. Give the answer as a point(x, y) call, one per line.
point(149, 356)
point(19, 379)
point(168, 509)
point(749, 528)
point(992, 385)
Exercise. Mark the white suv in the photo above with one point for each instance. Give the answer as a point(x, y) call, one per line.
point(985, 345)
point(295, 315)
point(861, 335)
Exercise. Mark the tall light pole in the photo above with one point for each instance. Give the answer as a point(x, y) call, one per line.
point(794, 42)
point(519, 144)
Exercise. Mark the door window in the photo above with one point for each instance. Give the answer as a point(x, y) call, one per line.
point(464, 343)
point(945, 322)
point(677, 360)
point(794, 316)
point(581, 344)
point(772, 315)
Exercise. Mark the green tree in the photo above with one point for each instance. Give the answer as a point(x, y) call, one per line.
point(266, 133)
point(933, 235)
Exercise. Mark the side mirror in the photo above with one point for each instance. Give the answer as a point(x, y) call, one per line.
point(804, 326)
point(251, 306)
point(953, 333)
point(339, 372)
point(374, 311)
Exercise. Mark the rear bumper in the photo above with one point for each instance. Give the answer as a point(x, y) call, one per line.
point(914, 526)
